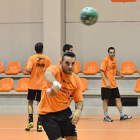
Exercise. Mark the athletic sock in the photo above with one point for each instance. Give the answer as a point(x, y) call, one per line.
point(106, 114)
point(30, 118)
point(38, 122)
point(121, 113)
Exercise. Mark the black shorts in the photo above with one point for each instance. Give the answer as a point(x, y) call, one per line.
point(34, 95)
point(108, 94)
point(58, 124)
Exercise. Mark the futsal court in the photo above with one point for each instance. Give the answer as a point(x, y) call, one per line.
point(113, 23)
point(89, 128)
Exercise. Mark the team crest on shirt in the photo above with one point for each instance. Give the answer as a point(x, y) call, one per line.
point(40, 65)
point(40, 58)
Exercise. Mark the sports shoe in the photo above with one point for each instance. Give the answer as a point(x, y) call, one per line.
point(108, 119)
point(125, 117)
point(29, 126)
point(39, 128)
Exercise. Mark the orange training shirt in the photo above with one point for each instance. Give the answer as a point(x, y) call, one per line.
point(70, 85)
point(109, 66)
point(38, 63)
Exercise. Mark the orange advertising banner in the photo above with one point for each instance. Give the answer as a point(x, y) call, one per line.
point(123, 1)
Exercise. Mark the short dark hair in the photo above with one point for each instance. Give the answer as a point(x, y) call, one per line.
point(38, 47)
point(67, 47)
point(70, 54)
point(111, 48)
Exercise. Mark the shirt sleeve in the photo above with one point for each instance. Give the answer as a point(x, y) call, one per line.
point(103, 65)
point(77, 95)
point(30, 63)
point(49, 62)
point(53, 69)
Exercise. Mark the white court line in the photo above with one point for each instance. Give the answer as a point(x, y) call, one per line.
point(77, 129)
point(106, 130)
point(10, 128)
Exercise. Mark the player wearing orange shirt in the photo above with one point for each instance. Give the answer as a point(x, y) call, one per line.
point(109, 88)
point(37, 64)
point(55, 114)
point(66, 48)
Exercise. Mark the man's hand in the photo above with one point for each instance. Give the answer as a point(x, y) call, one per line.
point(51, 92)
point(76, 116)
point(118, 74)
point(108, 85)
point(122, 76)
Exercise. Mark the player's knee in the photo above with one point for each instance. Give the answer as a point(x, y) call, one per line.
point(117, 99)
point(105, 101)
point(71, 138)
point(60, 138)
point(30, 102)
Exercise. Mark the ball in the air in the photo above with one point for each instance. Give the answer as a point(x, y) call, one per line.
point(89, 16)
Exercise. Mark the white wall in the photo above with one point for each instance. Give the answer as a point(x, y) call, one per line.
point(54, 28)
point(118, 25)
point(21, 26)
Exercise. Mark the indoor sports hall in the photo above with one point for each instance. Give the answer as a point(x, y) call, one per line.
point(23, 23)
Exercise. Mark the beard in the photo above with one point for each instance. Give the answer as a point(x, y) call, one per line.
point(112, 57)
point(66, 71)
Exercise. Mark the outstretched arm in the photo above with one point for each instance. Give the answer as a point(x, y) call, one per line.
point(49, 76)
point(56, 85)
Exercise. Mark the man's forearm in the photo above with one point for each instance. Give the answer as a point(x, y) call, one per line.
point(79, 105)
point(103, 77)
point(50, 78)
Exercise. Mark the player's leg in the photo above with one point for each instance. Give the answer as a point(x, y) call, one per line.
point(30, 110)
point(71, 138)
point(116, 94)
point(38, 98)
point(68, 130)
point(105, 95)
point(30, 97)
point(119, 104)
point(105, 106)
point(51, 127)
point(59, 138)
